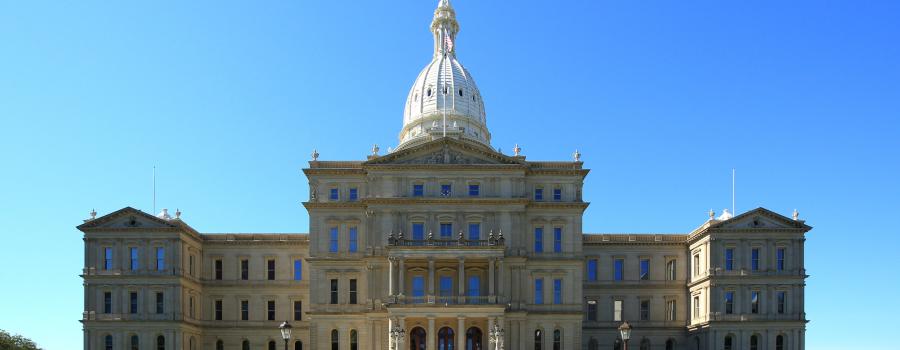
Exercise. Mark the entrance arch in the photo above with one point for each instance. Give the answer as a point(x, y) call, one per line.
point(446, 339)
point(417, 339)
point(473, 339)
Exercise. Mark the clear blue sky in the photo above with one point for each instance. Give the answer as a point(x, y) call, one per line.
point(663, 98)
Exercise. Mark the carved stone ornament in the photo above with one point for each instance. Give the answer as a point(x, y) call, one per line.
point(132, 222)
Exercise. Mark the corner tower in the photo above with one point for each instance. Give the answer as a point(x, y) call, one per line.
point(444, 100)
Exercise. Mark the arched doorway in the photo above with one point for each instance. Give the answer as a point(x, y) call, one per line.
point(417, 339)
point(446, 339)
point(473, 339)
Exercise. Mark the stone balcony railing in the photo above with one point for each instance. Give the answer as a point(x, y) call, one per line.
point(432, 300)
point(400, 241)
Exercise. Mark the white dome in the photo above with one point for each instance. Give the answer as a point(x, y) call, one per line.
point(444, 100)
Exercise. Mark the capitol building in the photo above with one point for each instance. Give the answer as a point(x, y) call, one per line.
point(444, 243)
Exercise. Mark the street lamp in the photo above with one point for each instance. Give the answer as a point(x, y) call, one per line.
point(285, 333)
point(625, 329)
point(398, 335)
point(495, 336)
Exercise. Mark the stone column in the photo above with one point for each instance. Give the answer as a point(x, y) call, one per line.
point(430, 338)
point(500, 277)
point(491, 277)
point(462, 280)
point(400, 345)
point(461, 333)
point(401, 283)
point(391, 276)
point(430, 276)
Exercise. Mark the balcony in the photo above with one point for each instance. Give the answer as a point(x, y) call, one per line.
point(460, 242)
point(431, 300)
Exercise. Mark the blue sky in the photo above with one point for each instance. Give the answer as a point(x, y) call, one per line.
point(663, 98)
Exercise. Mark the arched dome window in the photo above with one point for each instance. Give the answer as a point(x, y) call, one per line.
point(460, 92)
point(428, 92)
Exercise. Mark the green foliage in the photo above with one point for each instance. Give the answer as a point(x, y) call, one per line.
point(16, 342)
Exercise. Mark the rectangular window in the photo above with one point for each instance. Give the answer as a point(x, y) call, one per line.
point(670, 270)
point(352, 291)
point(557, 291)
point(245, 310)
point(354, 194)
point(557, 194)
point(645, 269)
point(754, 259)
point(334, 291)
point(592, 310)
point(245, 269)
point(191, 265)
point(539, 291)
point(446, 190)
point(418, 231)
point(538, 239)
point(446, 286)
point(298, 270)
point(782, 296)
point(218, 268)
point(160, 258)
point(474, 231)
point(418, 190)
point(645, 310)
point(592, 269)
point(446, 230)
point(353, 238)
point(133, 302)
point(697, 265)
point(617, 310)
point(133, 254)
point(160, 302)
point(298, 310)
point(729, 259)
point(418, 286)
point(474, 190)
point(538, 194)
point(107, 302)
point(270, 310)
point(779, 254)
point(671, 313)
point(191, 307)
point(333, 240)
point(729, 303)
point(754, 302)
point(474, 286)
point(697, 307)
point(218, 309)
point(333, 194)
point(557, 239)
point(270, 269)
point(619, 269)
point(107, 258)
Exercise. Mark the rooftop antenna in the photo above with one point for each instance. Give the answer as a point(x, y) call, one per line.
point(154, 190)
point(733, 209)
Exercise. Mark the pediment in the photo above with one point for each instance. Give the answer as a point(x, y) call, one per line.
point(762, 219)
point(445, 151)
point(126, 218)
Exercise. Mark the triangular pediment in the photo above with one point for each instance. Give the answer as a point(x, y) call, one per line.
point(760, 218)
point(126, 218)
point(446, 151)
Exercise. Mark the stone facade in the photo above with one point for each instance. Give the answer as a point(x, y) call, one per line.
point(450, 241)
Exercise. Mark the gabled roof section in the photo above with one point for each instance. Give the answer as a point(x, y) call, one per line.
point(131, 218)
point(760, 218)
point(446, 151)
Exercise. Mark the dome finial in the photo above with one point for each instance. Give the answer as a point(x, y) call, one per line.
point(444, 27)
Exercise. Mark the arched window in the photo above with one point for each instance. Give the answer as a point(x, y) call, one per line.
point(298, 345)
point(460, 92)
point(220, 345)
point(108, 342)
point(473, 339)
point(272, 345)
point(728, 343)
point(417, 339)
point(593, 345)
point(335, 340)
point(645, 344)
point(538, 339)
point(779, 342)
point(670, 344)
point(446, 341)
point(245, 345)
point(754, 342)
point(135, 342)
point(354, 343)
point(557, 339)
point(160, 343)
point(697, 342)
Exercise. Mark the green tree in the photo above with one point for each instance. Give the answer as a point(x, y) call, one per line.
point(16, 342)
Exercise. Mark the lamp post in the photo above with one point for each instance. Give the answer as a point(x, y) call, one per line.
point(285, 333)
point(625, 330)
point(397, 334)
point(495, 335)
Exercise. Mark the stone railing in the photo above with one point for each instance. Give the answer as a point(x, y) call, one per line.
point(430, 300)
point(399, 240)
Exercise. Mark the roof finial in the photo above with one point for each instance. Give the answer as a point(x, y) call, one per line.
point(93, 214)
point(517, 150)
point(375, 149)
point(178, 213)
point(725, 215)
point(315, 155)
point(796, 215)
point(576, 156)
point(712, 214)
point(164, 214)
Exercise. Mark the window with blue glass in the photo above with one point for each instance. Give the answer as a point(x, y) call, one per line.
point(474, 190)
point(557, 239)
point(779, 255)
point(418, 231)
point(539, 194)
point(160, 258)
point(557, 291)
point(474, 231)
point(645, 269)
point(333, 240)
point(353, 240)
point(133, 253)
point(107, 258)
point(446, 190)
point(418, 286)
point(298, 270)
point(354, 194)
point(446, 230)
point(474, 286)
point(538, 239)
point(592, 269)
point(539, 291)
point(557, 194)
point(729, 303)
point(619, 272)
point(446, 286)
point(754, 259)
point(333, 194)
point(754, 302)
point(729, 259)
point(418, 190)
point(782, 297)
